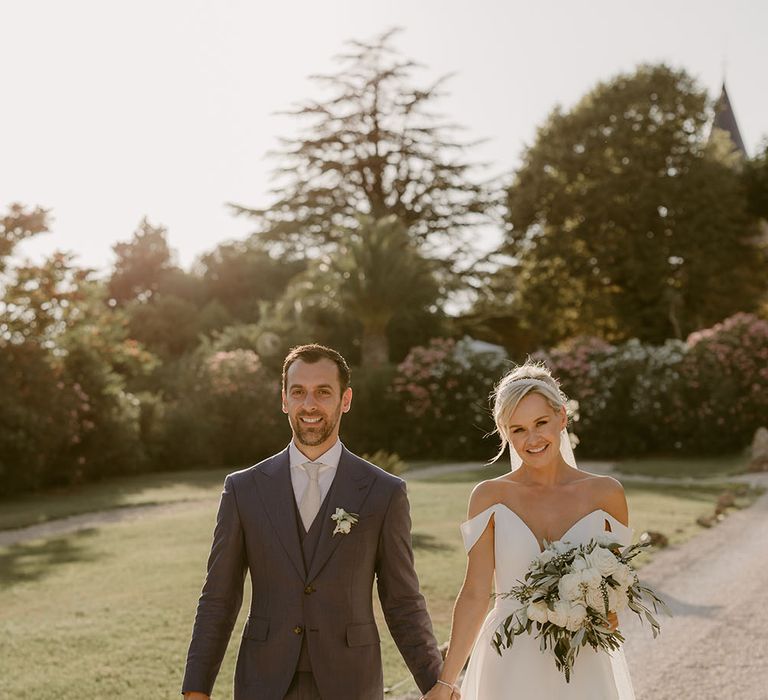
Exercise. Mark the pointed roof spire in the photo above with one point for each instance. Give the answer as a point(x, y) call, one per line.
point(725, 119)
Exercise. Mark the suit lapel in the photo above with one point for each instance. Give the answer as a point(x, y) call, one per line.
point(276, 493)
point(348, 491)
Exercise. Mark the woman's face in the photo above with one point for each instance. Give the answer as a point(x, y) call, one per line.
point(534, 430)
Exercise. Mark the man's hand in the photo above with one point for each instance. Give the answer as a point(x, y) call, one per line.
point(194, 695)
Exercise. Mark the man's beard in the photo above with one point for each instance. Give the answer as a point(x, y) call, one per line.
point(313, 437)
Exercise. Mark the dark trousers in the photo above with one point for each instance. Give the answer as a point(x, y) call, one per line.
point(303, 687)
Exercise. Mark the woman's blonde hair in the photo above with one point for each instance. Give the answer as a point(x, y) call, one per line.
point(531, 377)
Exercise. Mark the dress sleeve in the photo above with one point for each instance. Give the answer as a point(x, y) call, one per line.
point(622, 533)
point(474, 527)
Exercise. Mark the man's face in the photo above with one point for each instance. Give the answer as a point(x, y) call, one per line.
point(314, 403)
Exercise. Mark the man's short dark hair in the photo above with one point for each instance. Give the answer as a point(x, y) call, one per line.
point(314, 353)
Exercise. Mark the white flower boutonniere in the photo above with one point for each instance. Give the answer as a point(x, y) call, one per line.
point(344, 521)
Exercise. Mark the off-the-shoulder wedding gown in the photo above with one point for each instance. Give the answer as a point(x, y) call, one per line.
point(524, 672)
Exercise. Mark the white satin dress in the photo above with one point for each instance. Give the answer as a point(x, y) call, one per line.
point(524, 672)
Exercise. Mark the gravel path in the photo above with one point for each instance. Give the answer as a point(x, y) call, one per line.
point(716, 645)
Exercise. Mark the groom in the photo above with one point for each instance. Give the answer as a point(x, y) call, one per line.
point(310, 632)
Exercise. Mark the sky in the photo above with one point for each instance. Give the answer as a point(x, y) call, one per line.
point(114, 111)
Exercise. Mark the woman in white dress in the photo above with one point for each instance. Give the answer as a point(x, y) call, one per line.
point(543, 497)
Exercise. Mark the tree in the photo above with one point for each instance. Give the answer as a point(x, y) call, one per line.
point(623, 217)
point(241, 275)
point(373, 148)
point(141, 264)
point(756, 178)
point(380, 275)
point(16, 225)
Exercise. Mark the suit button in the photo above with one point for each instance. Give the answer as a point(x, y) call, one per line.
point(309, 589)
point(298, 629)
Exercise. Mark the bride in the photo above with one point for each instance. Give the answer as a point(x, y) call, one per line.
point(543, 497)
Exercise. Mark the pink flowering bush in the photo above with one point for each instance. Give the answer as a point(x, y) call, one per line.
point(725, 375)
point(707, 394)
point(443, 389)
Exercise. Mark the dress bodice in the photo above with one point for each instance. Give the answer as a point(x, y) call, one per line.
point(515, 545)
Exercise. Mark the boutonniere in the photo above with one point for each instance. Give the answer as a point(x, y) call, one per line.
point(344, 521)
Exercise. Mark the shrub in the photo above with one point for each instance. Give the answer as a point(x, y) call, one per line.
point(708, 394)
point(388, 461)
point(444, 389)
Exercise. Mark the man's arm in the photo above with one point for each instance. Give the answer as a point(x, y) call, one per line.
point(403, 605)
point(220, 599)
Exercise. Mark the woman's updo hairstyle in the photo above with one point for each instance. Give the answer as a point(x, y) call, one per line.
point(513, 387)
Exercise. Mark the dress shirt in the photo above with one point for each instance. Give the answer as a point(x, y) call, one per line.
point(326, 474)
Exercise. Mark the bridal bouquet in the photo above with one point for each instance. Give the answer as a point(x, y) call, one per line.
point(568, 594)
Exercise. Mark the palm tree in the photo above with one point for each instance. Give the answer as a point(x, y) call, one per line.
point(380, 273)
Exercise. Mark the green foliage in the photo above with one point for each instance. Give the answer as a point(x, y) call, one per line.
point(756, 180)
point(242, 275)
point(16, 225)
point(388, 461)
point(140, 264)
point(623, 216)
point(225, 410)
point(66, 361)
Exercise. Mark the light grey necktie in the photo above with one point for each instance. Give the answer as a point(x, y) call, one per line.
point(310, 501)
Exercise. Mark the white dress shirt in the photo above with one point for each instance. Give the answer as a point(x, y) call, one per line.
point(326, 473)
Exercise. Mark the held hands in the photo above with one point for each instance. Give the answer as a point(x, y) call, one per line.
point(443, 691)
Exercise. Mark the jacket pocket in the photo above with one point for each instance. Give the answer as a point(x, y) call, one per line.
point(362, 635)
point(256, 628)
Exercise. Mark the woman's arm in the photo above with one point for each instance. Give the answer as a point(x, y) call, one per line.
point(474, 596)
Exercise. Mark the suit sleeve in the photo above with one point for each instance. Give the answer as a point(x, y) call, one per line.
point(221, 597)
point(404, 607)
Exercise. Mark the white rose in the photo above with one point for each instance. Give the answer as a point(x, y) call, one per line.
point(591, 577)
point(576, 617)
point(579, 563)
point(603, 560)
point(559, 615)
point(561, 547)
point(624, 575)
point(569, 587)
point(344, 527)
point(538, 611)
point(595, 600)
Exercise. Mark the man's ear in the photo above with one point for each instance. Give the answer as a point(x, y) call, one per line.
point(283, 401)
point(346, 399)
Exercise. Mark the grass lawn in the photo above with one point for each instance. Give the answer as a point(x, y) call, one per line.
point(694, 467)
point(107, 612)
point(147, 489)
